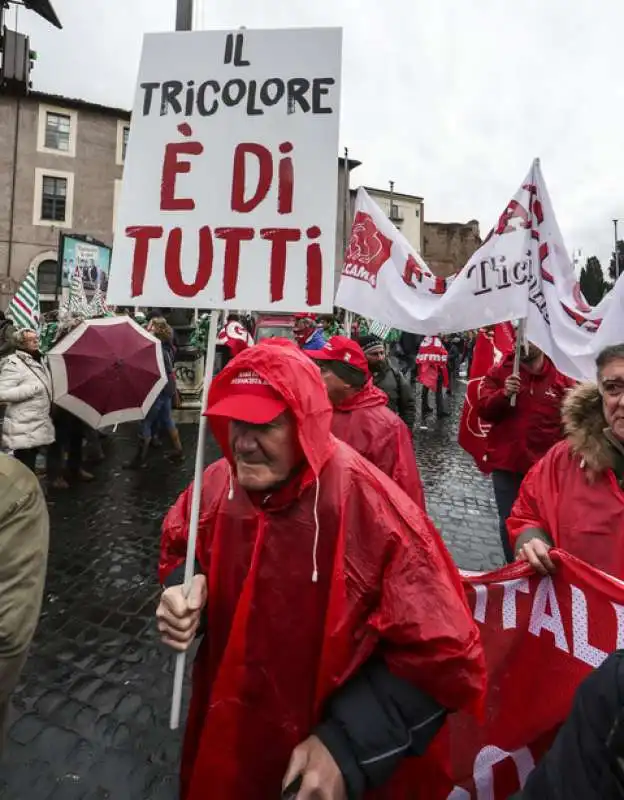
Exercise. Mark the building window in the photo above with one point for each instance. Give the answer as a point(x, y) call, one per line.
point(57, 132)
point(47, 277)
point(396, 215)
point(418, 212)
point(123, 132)
point(53, 200)
point(124, 142)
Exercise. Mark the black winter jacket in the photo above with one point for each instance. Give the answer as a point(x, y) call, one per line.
point(586, 761)
point(375, 721)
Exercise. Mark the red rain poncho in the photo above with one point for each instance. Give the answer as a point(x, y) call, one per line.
point(432, 360)
point(277, 644)
point(521, 435)
point(585, 518)
point(235, 337)
point(573, 494)
point(367, 424)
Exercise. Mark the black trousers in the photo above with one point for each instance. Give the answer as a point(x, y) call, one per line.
point(506, 488)
point(28, 457)
point(439, 398)
point(69, 432)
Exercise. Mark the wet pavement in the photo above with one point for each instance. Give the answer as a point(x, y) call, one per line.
point(91, 712)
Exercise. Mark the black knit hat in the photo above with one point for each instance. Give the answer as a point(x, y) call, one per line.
point(370, 342)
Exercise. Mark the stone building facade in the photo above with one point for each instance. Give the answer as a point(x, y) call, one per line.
point(447, 246)
point(60, 172)
point(405, 211)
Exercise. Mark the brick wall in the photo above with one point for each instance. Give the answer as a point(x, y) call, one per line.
point(449, 245)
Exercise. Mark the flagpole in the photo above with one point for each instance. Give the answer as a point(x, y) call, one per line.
point(520, 335)
point(346, 214)
point(521, 331)
point(185, 17)
point(189, 567)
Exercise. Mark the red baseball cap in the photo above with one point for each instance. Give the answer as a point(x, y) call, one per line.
point(341, 348)
point(251, 399)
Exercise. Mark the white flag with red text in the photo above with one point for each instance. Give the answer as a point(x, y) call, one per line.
point(385, 278)
point(560, 321)
point(522, 270)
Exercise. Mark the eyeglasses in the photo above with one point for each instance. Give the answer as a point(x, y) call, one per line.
point(612, 388)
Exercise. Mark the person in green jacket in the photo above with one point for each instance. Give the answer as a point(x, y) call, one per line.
point(24, 531)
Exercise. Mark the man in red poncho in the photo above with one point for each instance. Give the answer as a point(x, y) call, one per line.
point(432, 373)
point(573, 498)
point(337, 633)
point(522, 433)
point(233, 338)
point(362, 418)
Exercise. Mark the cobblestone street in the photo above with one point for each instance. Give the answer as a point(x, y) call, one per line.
point(91, 713)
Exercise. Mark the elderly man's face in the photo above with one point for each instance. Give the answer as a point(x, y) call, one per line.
point(264, 455)
point(611, 383)
point(30, 342)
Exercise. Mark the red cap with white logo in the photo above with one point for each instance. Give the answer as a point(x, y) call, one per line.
point(341, 348)
point(249, 399)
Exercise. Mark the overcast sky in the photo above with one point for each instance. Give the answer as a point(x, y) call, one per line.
point(451, 99)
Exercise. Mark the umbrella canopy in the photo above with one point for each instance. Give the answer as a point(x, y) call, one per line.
point(107, 371)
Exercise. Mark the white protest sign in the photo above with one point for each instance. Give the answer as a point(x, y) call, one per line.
point(229, 198)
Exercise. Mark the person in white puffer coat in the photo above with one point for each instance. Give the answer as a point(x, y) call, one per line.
point(26, 391)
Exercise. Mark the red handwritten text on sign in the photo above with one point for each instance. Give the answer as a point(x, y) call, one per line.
point(179, 159)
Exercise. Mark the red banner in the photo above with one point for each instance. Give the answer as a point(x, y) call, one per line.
point(542, 636)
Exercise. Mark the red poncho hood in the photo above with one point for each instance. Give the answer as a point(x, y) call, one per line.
point(366, 423)
point(369, 397)
point(296, 379)
point(278, 641)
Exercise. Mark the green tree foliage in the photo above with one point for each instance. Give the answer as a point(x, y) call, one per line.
point(593, 283)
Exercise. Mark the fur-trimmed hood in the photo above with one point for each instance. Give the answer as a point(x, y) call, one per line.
point(584, 424)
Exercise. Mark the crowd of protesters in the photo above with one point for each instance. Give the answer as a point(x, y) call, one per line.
point(557, 461)
point(314, 532)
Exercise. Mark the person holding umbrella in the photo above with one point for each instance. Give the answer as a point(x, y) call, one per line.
point(107, 371)
point(337, 632)
point(159, 417)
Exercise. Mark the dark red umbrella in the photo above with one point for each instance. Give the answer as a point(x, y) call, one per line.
point(107, 371)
